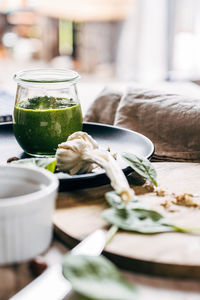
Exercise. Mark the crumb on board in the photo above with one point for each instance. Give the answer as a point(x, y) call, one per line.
point(172, 210)
point(166, 204)
point(160, 192)
point(185, 200)
point(14, 158)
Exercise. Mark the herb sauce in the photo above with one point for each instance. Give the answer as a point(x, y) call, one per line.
point(41, 123)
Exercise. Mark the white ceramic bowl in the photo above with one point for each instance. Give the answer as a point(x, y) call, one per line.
point(27, 200)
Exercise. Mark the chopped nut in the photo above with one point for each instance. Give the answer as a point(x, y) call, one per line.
point(172, 210)
point(108, 149)
point(160, 192)
point(12, 159)
point(165, 204)
point(185, 200)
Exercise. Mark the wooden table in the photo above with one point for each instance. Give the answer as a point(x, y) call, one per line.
point(14, 278)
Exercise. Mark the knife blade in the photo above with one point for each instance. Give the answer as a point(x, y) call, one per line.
point(51, 284)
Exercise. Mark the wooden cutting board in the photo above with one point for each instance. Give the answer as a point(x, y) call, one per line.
point(166, 254)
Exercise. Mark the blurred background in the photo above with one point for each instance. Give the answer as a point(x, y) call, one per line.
point(105, 40)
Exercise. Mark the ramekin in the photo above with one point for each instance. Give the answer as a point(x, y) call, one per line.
point(27, 201)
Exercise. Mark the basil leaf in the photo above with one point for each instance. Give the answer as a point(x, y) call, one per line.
point(96, 277)
point(137, 220)
point(46, 163)
point(114, 200)
point(141, 166)
point(135, 217)
point(76, 296)
point(51, 166)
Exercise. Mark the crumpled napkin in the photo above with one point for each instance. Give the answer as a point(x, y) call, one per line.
point(104, 107)
point(171, 121)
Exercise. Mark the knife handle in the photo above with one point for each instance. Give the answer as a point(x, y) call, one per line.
point(50, 285)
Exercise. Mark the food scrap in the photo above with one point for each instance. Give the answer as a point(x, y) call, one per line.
point(166, 204)
point(160, 192)
point(185, 200)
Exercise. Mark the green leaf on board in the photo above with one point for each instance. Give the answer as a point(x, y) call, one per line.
point(138, 220)
point(114, 200)
point(46, 163)
point(75, 296)
point(136, 217)
point(96, 277)
point(141, 166)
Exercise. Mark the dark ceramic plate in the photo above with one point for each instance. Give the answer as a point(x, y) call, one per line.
point(118, 139)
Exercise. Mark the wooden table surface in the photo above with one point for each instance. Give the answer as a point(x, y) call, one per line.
point(14, 278)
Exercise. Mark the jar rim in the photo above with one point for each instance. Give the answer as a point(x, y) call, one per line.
point(46, 75)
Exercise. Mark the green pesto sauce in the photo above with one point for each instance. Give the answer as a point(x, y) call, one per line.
point(41, 123)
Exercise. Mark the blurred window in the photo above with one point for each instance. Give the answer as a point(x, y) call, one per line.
point(186, 43)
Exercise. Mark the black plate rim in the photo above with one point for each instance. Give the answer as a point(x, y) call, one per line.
point(101, 176)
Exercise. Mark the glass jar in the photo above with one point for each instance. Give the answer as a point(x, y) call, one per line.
point(47, 109)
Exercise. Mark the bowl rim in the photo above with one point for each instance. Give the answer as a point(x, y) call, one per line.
point(34, 196)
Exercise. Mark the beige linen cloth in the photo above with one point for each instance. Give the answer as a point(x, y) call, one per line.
point(171, 121)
